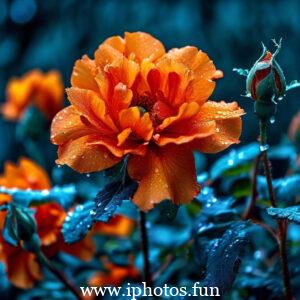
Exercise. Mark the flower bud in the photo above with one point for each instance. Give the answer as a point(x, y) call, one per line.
point(266, 81)
point(25, 224)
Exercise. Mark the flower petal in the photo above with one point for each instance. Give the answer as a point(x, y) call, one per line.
point(228, 132)
point(143, 45)
point(140, 125)
point(212, 110)
point(36, 177)
point(203, 69)
point(116, 42)
point(123, 70)
point(106, 54)
point(84, 73)
point(164, 173)
point(67, 125)
point(84, 157)
point(93, 107)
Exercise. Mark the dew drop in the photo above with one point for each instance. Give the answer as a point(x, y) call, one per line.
point(272, 120)
point(230, 162)
point(264, 147)
point(88, 175)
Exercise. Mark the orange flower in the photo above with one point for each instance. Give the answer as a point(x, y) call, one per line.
point(133, 98)
point(22, 267)
point(114, 276)
point(118, 225)
point(44, 90)
point(25, 175)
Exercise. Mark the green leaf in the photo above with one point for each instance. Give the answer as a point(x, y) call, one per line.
point(291, 213)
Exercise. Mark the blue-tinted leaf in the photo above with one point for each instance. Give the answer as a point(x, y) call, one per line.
point(110, 198)
point(291, 213)
point(234, 159)
point(78, 222)
point(216, 214)
point(128, 209)
point(63, 195)
point(224, 257)
point(285, 189)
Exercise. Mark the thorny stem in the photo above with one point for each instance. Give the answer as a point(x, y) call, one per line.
point(251, 205)
point(145, 249)
point(44, 261)
point(282, 225)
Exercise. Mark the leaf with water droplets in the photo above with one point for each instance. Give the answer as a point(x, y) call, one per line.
point(111, 197)
point(291, 213)
point(242, 72)
point(78, 222)
point(234, 159)
point(285, 189)
point(64, 195)
point(224, 257)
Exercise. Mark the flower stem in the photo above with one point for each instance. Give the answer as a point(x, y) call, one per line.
point(282, 225)
point(284, 258)
point(44, 261)
point(251, 205)
point(145, 249)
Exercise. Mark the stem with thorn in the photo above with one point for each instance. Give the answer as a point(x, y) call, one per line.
point(282, 224)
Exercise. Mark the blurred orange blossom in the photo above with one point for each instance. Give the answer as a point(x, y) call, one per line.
point(21, 266)
point(136, 99)
point(43, 90)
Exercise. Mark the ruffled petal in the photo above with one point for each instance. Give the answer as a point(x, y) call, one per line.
point(93, 108)
point(141, 126)
point(220, 110)
point(116, 42)
point(174, 80)
point(203, 69)
point(164, 173)
point(123, 70)
point(84, 157)
point(143, 45)
point(106, 54)
point(84, 73)
point(227, 132)
point(67, 125)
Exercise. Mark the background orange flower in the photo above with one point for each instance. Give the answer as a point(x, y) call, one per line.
point(134, 98)
point(43, 90)
point(22, 267)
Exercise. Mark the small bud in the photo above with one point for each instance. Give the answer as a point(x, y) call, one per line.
point(25, 223)
point(266, 81)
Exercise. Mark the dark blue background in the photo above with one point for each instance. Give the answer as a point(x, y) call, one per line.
point(53, 34)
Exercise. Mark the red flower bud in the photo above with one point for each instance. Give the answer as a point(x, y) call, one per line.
point(266, 81)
